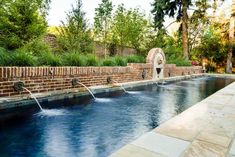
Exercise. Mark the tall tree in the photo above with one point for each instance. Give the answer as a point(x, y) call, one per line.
point(102, 19)
point(231, 40)
point(22, 21)
point(174, 8)
point(198, 22)
point(74, 34)
point(128, 27)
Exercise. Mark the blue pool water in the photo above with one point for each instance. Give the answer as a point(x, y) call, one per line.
point(87, 128)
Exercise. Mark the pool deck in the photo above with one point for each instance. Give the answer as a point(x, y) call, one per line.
point(207, 129)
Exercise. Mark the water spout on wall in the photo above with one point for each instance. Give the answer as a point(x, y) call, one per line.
point(121, 87)
point(76, 81)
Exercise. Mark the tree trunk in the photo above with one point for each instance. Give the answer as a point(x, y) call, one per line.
point(185, 29)
point(105, 39)
point(229, 66)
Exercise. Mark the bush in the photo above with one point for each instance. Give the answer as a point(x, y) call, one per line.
point(135, 59)
point(108, 62)
point(179, 62)
point(120, 61)
point(37, 47)
point(22, 58)
point(74, 59)
point(91, 60)
point(49, 59)
point(4, 59)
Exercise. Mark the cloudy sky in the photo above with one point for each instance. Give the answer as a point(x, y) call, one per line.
point(59, 7)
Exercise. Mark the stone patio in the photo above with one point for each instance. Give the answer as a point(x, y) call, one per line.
point(206, 129)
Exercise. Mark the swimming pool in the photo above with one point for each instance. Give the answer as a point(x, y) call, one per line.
point(87, 128)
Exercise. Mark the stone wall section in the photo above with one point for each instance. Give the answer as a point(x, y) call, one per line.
point(125, 51)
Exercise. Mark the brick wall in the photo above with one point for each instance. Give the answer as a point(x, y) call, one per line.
point(171, 70)
point(46, 79)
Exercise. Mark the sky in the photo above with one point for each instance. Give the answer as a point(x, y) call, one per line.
point(60, 7)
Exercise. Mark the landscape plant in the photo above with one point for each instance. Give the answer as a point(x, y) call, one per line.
point(74, 34)
point(22, 21)
point(102, 22)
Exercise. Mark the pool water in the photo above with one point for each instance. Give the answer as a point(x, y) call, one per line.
point(88, 128)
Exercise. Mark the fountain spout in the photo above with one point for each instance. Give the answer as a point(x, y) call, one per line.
point(19, 87)
point(76, 81)
point(34, 98)
point(121, 87)
point(87, 89)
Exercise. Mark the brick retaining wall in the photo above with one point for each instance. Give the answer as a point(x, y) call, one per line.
point(171, 70)
point(45, 79)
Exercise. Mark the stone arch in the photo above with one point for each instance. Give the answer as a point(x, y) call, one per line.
point(157, 58)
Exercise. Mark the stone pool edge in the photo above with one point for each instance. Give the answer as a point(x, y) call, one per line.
point(26, 100)
point(205, 129)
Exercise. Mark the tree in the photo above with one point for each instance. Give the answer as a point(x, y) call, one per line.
point(161, 8)
point(74, 34)
point(213, 45)
point(179, 9)
point(103, 17)
point(128, 27)
point(231, 40)
point(198, 22)
point(22, 21)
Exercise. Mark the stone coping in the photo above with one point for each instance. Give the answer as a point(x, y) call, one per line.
point(26, 100)
point(232, 76)
point(206, 129)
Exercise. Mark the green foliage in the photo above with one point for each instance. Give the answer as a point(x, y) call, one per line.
point(73, 59)
point(22, 58)
point(21, 21)
point(120, 61)
point(173, 48)
point(4, 59)
point(128, 27)
point(169, 8)
point(135, 59)
point(212, 46)
point(37, 47)
point(179, 62)
point(91, 60)
point(155, 39)
point(49, 59)
point(74, 34)
point(102, 19)
point(108, 62)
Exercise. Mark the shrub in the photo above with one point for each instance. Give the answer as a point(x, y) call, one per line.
point(22, 58)
point(74, 59)
point(4, 57)
point(49, 59)
point(108, 62)
point(91, 60)
point(135, 59)
point(179, 62)
point(37, 47)
point(120, 61)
